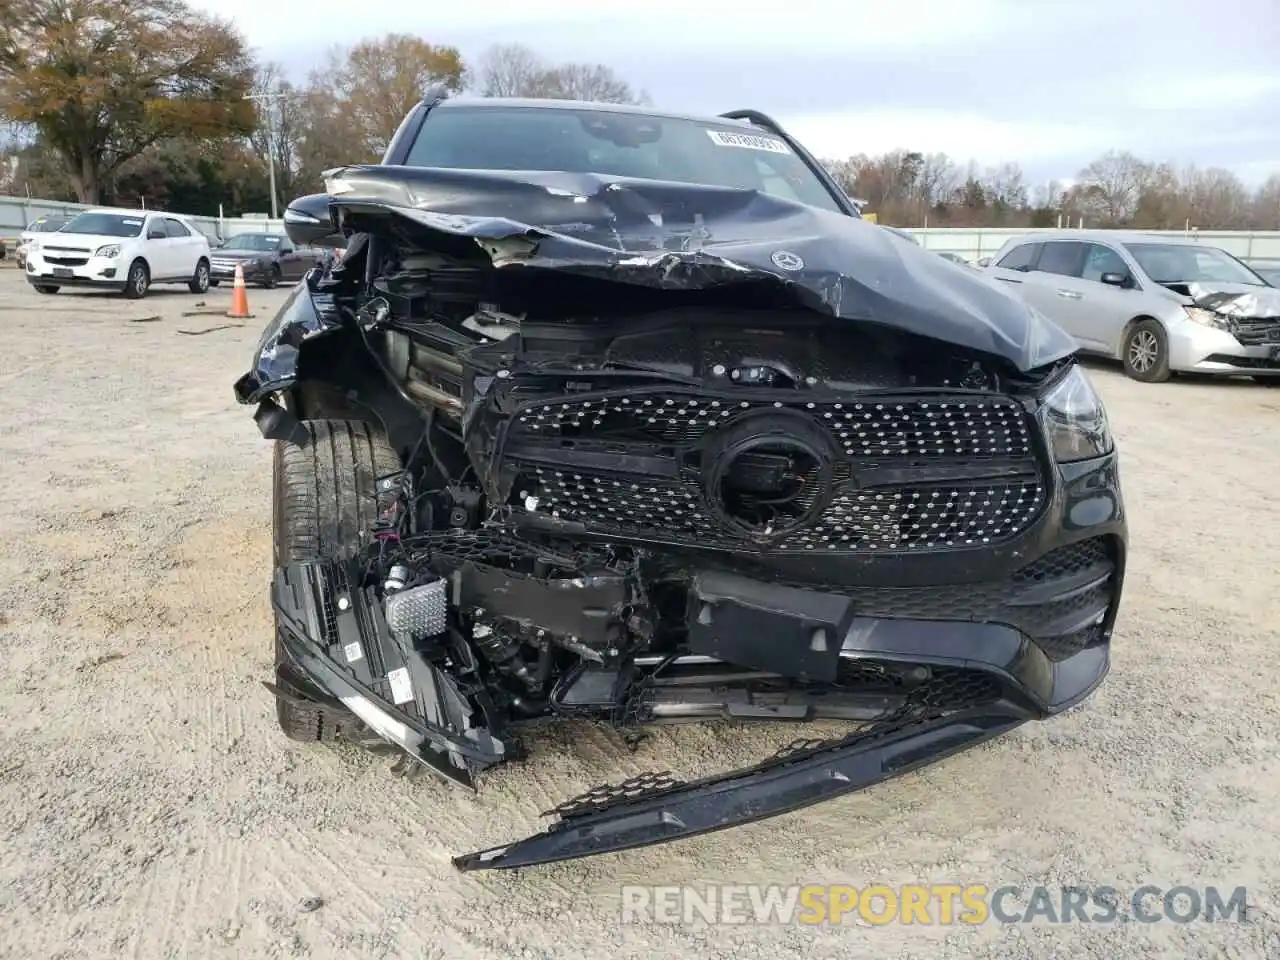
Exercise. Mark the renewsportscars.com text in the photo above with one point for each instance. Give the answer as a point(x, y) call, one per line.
point(940, 904)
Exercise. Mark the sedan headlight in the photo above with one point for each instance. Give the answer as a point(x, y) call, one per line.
point(1207, 318)
point(1075, 419)
point(109, 251)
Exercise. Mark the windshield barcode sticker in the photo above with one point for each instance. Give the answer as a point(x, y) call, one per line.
point(748, 141)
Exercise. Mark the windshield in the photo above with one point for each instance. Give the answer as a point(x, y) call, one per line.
point(105, 225)
point(1188, 263)
point(617, 144)
point(47, 225)
point(1268, 271)
point(252, 241)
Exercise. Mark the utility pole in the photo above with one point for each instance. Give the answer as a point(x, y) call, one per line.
point(269, 100)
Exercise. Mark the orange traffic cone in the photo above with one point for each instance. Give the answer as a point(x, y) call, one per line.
point(239, 298)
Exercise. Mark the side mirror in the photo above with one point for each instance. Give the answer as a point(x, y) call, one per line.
point(1115, 279)
point(155, 233)
point(307, 222)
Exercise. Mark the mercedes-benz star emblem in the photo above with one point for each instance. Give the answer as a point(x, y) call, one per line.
point(786, 260)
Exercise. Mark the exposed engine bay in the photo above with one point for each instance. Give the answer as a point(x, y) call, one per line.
point(652, 503)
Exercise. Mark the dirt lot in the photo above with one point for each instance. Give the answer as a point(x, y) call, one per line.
point(149, 808)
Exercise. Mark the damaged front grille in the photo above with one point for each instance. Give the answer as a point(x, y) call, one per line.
point(883, 474)
point(1252, 332)
point(1059, 600)
point(956, 427)
point(606, 795)
point(945, 691)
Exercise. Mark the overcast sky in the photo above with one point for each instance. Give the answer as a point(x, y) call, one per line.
point(1049, 84)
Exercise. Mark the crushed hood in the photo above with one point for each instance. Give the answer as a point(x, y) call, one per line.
point(1239, 300)
point(691, 237)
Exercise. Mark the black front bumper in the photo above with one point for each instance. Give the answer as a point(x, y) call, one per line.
point(1037, 629)
point(791, 780)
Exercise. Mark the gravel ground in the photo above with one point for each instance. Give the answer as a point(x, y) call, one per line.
point(149, 808)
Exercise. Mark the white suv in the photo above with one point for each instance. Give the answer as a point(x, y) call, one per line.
point(123, 250)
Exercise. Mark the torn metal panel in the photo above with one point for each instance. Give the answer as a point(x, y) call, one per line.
point(681, 236)
point(1236, 300)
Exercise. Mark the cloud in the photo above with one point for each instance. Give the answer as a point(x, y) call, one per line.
point(1217, 91)
point(588, 29)
point(1048, 84)
point(965, 136)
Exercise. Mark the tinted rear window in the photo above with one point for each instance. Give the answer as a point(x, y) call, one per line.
point(1020, 257)
point(1063, 257)
point(616, 144)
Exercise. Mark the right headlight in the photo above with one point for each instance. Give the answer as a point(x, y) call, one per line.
point(1207, 318)
point(1075, 420)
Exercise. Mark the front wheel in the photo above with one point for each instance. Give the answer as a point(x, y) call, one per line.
point(1146, 352)
point(272, 279)
point(138, 281)
point(323, 503)
point(199, 282)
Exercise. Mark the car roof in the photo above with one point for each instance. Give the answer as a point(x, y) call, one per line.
point(122, 212)
point(1112, 236)
point(490, 103)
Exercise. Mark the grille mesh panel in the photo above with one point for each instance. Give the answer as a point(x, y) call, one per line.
point(901, 434)
point(994, 427)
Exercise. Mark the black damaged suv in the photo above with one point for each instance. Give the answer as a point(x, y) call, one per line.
point(629, 417)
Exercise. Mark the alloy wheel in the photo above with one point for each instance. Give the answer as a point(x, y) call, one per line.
point(1144, 351)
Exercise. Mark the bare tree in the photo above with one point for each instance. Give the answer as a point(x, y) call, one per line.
point(939, 178)
point(1216, 197)
point(510, 70)
point(514, 70)
point(1004, 185)
point(1113, 184)
point(1266, 204)
point(589, 81)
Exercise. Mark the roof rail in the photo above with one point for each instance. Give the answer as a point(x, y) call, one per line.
point(756, 117)
point(435, 93)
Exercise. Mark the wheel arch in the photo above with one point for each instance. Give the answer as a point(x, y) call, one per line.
point(1133, 322)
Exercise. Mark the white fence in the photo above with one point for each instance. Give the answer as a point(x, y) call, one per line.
point(16, 213)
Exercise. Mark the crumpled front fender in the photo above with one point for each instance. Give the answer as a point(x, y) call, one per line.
point(307, 314)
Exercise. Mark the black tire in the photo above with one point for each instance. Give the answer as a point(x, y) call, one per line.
point(199, 282)
point(313, 722)
point(45, 288)
point(137, 281)
point(1267, 381)
point(1145, 352)
point(323, 502)
point(273, 277)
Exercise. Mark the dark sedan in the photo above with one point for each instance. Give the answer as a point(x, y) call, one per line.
point(267, 259)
